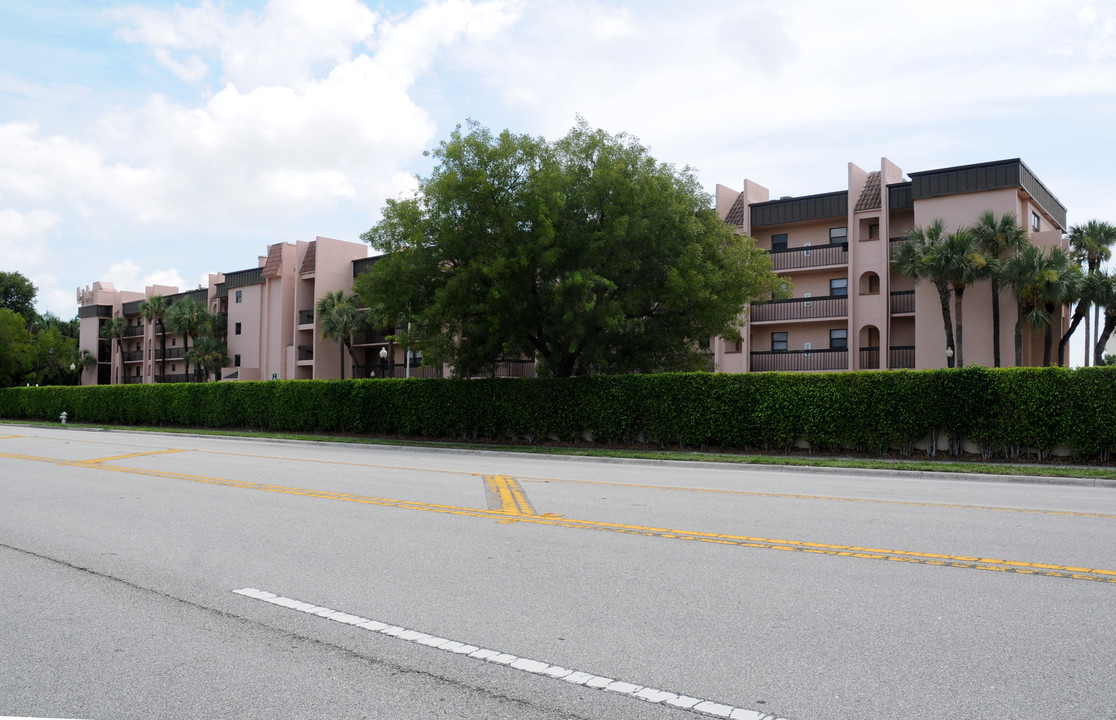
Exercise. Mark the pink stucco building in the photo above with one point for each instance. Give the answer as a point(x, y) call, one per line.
point(273, 331)
point(851, 310)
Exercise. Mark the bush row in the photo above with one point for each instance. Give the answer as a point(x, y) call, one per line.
point(1005, 412)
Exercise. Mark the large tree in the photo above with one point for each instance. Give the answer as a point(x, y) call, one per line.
point(16, 348)
point(584, 253)
point(17, 294)
point(997, 239)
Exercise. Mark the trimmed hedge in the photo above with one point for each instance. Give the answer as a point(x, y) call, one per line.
point(1005, 412)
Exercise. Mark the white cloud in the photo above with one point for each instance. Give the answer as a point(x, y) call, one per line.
point(21, 236)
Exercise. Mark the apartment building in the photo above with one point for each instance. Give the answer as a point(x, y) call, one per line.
point(272, 328)
point(851, 310)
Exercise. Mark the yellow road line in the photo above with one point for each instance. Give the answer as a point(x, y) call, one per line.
point(508, 495)
point(98, 461)
point(674, 488)
point(829, 498)
point(972, 562)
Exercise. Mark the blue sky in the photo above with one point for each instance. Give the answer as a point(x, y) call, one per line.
point(147, 142)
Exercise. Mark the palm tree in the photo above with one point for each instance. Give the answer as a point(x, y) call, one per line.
point(155, 309)
point(115, 329)
point(340, 319)
point(1090, 243)
point(911, 260)
point(956, 261)
point(997, 238)
point(209, 354)
point(1040, 281)
point(1104, 295)
point(85, 360)
point(185, 317)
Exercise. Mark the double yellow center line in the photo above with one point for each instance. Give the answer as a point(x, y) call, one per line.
point(508, 503)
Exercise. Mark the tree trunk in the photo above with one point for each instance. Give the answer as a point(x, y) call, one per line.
point(1102, 339)
point(1081, 311)
point(1019, 338)
point(995, 321)
point(943, 296)
point(1048, 339)
point(958, 296)
point(1088, 340)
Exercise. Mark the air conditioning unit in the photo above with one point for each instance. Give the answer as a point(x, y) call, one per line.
point(807, 303)
point(808, 347)
point(806, 253)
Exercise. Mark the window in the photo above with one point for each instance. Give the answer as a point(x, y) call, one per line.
point(873, 284)
point(838, 235)
point(779, 342)
point(239, 295)
point(174, 341)
point(874, 231)
point(236, 329)
point(236, 361)
point(778, 242)
point(838, 287)
point(838, 339)
point(1035, 223)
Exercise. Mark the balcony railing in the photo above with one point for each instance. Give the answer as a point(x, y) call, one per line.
point(133, 331)
point(170, 378)
point(306, 317)
point(831, 306)
point(799, 360)
point(173, 353)
point(133, 356)
point(133, 379)
point(902, 302)
point(869, 358)
point(811, 257)
point(305, 352)
point(901, 356)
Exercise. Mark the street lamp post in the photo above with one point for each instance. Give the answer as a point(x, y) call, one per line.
point(73, 375)
point(383, 362)
point(949, 357)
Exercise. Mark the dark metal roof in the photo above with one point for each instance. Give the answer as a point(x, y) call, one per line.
point(88, 311)
point(240, 278)
point(899, 196)
point(798, 209)
point(200, 295)
point(987, 176)
point(363, 264)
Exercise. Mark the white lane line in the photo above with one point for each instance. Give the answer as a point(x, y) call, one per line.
point(536, 667)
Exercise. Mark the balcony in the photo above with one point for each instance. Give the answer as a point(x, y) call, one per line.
point(800, 360)
point(819, 308)
point(133, 379)
point(811, 257)
point(901, 357)
point(305, 353)
point(869, 358)
point(133, 356)
point(133, 331)
point(306, 317)
point(170, 378)
point(173, 353)
point(903, 302)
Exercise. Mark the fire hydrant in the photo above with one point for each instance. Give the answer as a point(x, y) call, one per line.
point(62, 417)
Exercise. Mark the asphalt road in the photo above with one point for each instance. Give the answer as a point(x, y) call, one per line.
point(148, 575)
